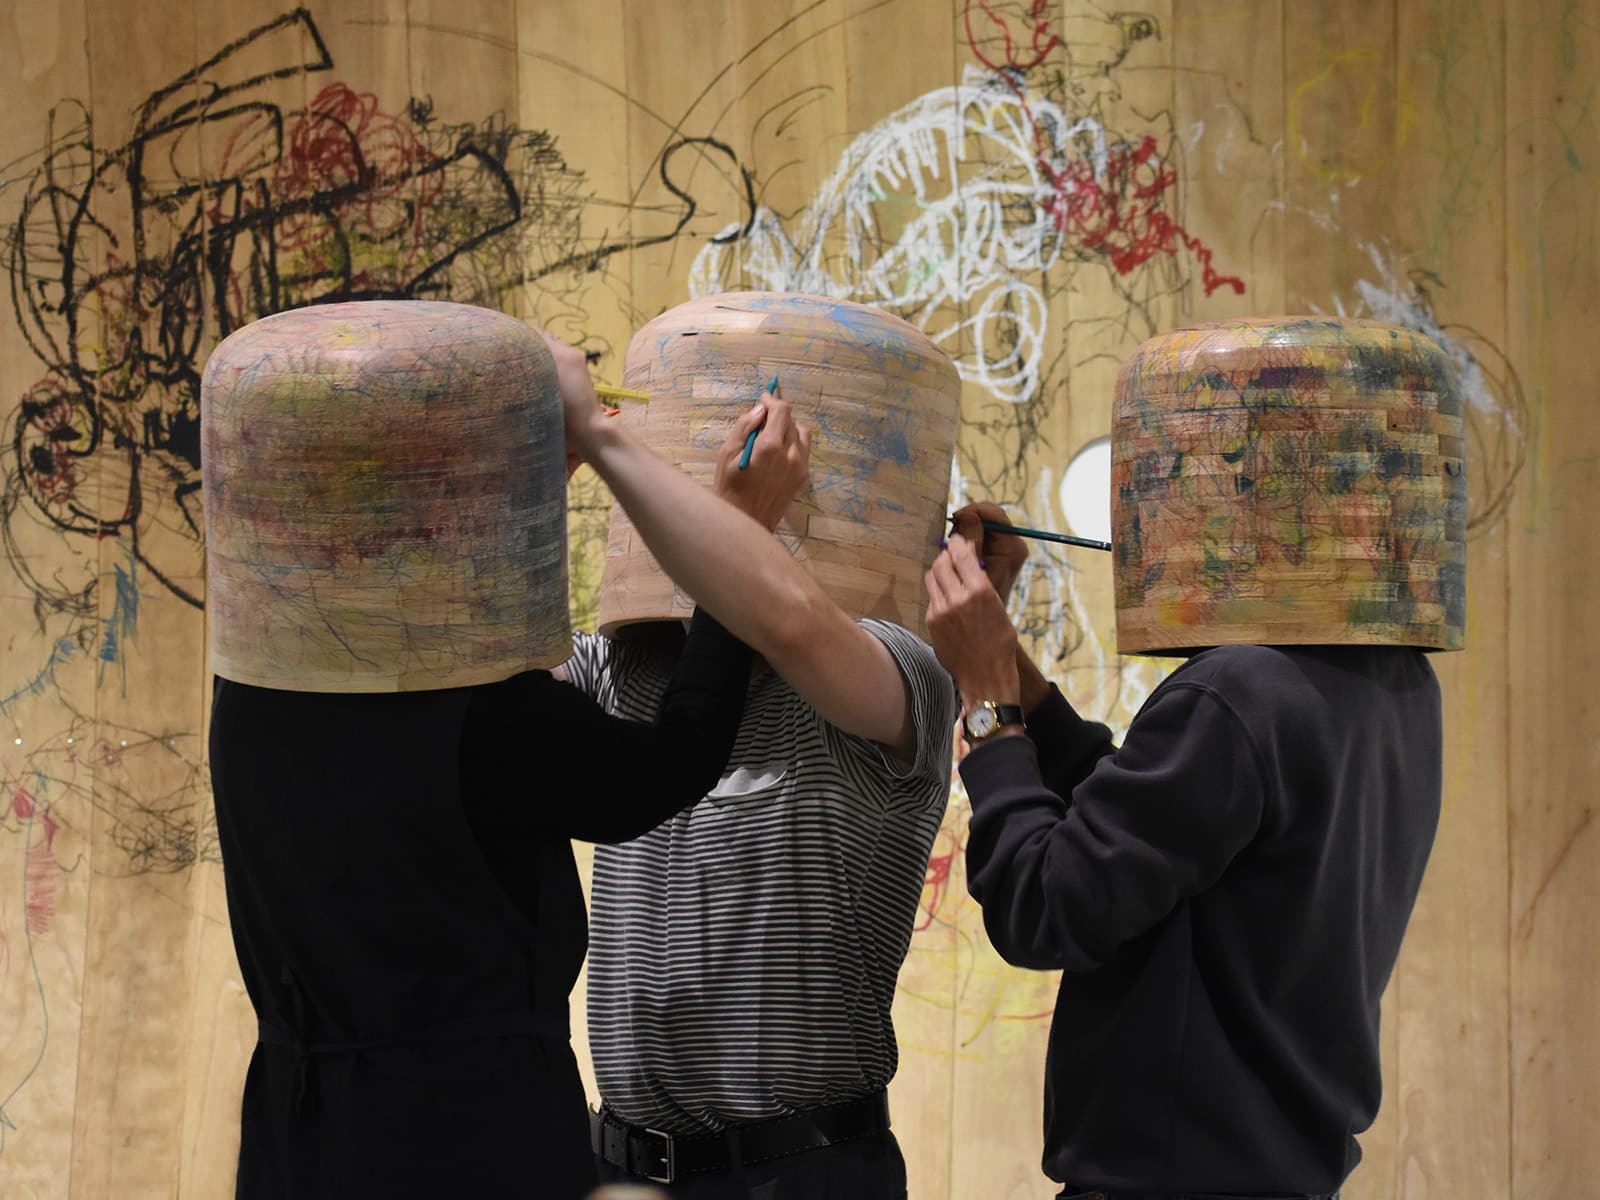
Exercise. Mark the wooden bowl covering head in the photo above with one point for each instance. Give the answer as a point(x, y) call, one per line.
point(1288, 480)
point(882, 402)
point(385, 495)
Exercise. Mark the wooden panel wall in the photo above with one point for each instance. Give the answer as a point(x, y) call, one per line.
point(1059, 181)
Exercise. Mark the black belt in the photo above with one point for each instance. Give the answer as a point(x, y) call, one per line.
point(669, 1157)
point(464, 1029)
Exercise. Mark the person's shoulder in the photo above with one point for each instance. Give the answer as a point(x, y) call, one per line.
point(1289, 681)
point(590, 648)
point(590, 643)
point(1250, 681)
point(1259, 662)
point(934, 702)
point(893, 635)
point(1225, 665)
point(912, 654)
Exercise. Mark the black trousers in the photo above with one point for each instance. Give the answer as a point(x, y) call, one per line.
point(869, 1168)
point(496, 1118)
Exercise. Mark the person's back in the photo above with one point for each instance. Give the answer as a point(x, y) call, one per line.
point(406, 907)
point(1236, 1041)
point(1228, 889)
point(409, 919)
point(392, 975)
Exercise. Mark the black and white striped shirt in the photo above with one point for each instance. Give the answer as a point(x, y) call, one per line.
point(743, 955)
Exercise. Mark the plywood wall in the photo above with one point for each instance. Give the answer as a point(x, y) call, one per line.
point(1039, 185)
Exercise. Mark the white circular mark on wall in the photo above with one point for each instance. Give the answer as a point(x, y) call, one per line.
point(1086, 491)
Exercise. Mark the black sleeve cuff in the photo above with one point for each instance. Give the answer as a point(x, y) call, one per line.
point(998, 764)
point(704, 625)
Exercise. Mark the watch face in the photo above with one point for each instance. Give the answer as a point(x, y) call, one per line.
point(981, 722)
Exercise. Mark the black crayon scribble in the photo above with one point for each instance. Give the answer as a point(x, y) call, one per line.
point(127, 264)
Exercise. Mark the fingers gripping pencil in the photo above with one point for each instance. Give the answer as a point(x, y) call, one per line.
point(750, 442)
point(1043, 535)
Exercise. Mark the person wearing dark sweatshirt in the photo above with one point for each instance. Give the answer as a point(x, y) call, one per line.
point(1225, 893)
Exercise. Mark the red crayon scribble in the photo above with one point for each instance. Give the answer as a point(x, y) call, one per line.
point(1033, 1016)
point(344, 141)
point(937, 879)
point(1119, 215)
point(374, 178)
point(1041, 28)
point(41, 870)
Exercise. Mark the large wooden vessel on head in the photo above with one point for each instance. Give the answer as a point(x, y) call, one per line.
point(883, 404)
point(385, 491)
point(1288, 481)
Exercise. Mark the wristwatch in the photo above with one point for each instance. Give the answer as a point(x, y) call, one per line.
point(986, 718)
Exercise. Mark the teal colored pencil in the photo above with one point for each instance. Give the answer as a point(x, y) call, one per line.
point(750, 442)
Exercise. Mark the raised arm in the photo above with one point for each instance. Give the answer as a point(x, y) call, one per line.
point(632, 775)
point(1076, 847)
point(735, 569)
point(968, 588)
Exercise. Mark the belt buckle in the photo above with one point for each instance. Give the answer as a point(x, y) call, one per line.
point(670, 1158)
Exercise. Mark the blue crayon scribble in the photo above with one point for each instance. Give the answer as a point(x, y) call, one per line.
point(59, 653)
point(122, 625)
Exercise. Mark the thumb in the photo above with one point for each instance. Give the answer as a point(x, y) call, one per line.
point(749, 420)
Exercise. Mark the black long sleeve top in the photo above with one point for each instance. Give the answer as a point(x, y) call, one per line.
point(1227, 894)
point(406, 908)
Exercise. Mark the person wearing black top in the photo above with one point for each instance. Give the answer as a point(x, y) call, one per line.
point(409, 921)
point(1225, 893)
point(407, 912)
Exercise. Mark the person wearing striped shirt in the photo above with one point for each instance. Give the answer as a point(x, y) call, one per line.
point(743, 956)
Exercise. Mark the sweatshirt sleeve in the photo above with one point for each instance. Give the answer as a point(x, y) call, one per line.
point(1065, 877)
point(1067, 746)
point(622, 778)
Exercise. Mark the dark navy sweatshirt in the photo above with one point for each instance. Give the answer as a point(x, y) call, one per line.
point(1226, 894)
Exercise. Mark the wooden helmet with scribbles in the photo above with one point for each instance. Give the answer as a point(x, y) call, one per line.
point(882, 401)
point(1288, 480)
point(385, 494)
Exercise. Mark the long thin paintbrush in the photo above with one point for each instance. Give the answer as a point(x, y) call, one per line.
point(1043, 535)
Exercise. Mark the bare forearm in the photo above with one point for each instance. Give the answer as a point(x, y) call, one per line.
point(739, 573)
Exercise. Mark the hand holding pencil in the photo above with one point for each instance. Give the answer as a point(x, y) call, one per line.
point(750, 442)
point(1000, 552)
point(765, 460)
